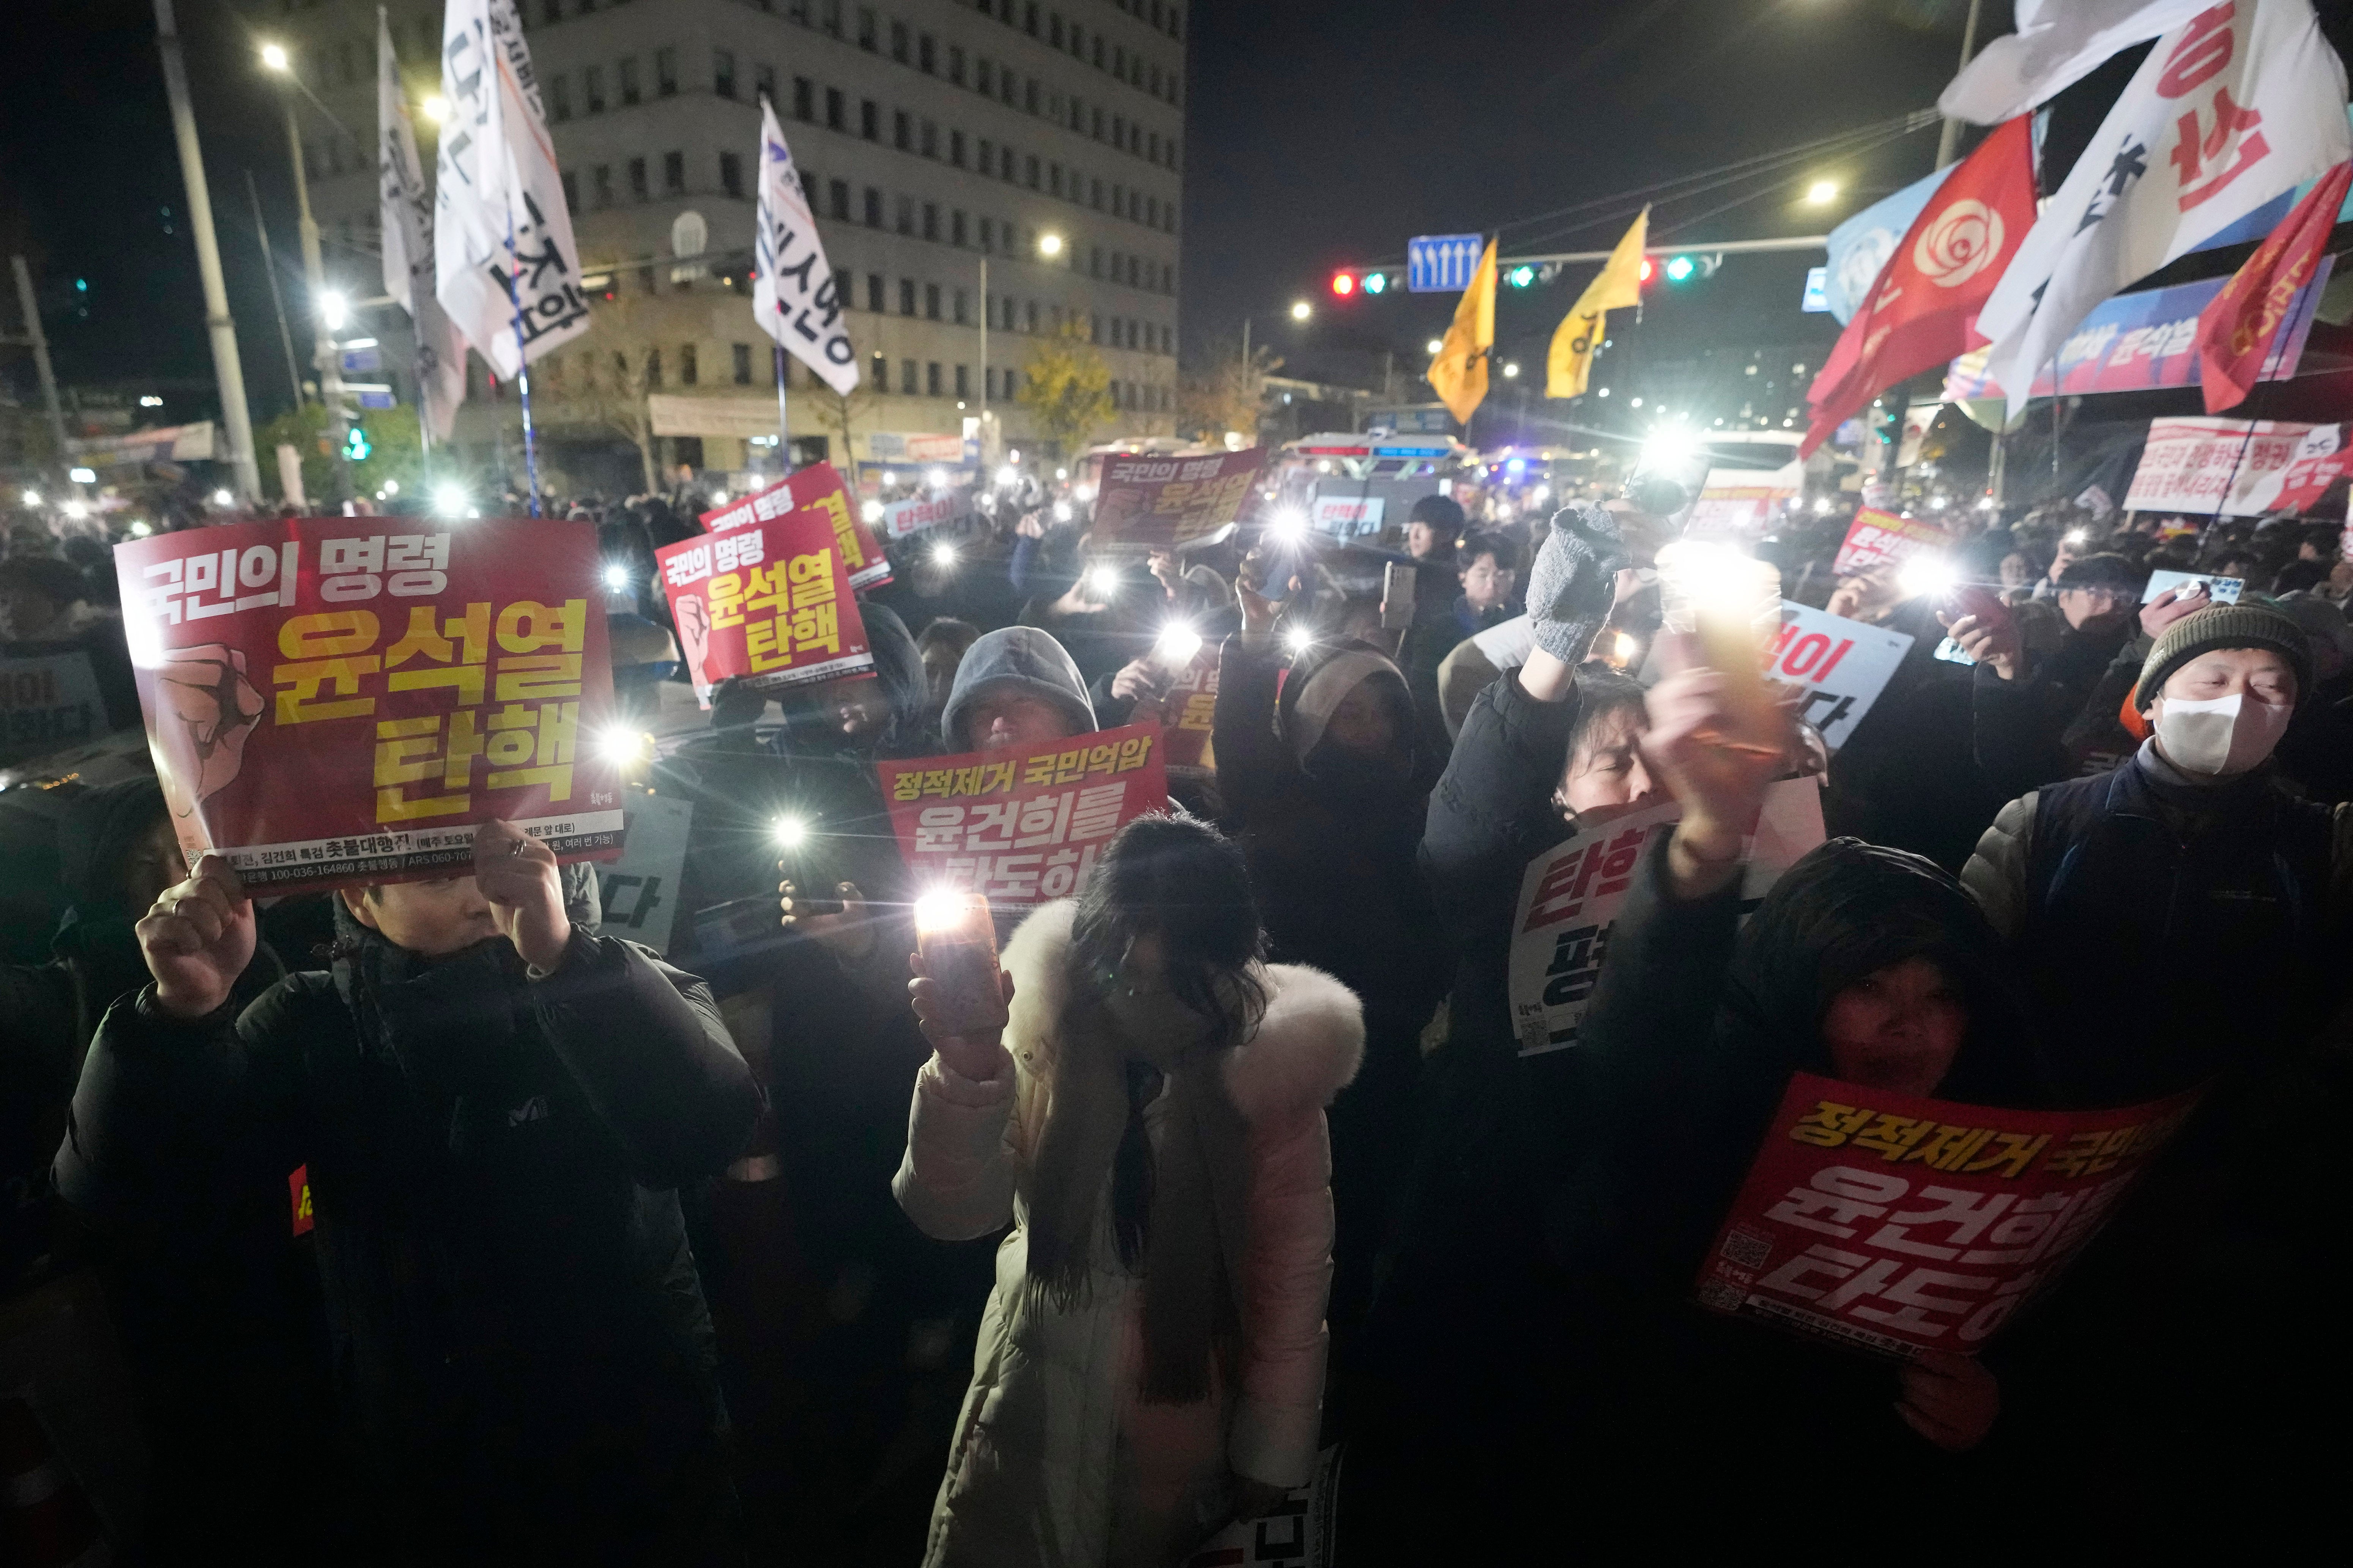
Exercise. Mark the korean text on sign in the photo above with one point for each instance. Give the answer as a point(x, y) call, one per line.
point(1570, 896)
point(1900, 1223)
point(816, 488)
point(1020, 827)
point(1842, 666)
point(1162, 501)
point(1881, 538)
point(768, 603)
point(329, 700)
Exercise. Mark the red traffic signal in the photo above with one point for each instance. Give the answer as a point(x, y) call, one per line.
point(1650, 270)
point(1344, 284)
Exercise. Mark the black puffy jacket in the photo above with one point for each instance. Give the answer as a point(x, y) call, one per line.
point(522, 1350)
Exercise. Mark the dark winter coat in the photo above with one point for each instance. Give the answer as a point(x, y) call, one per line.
point(521, 1348)
point(1908, 776)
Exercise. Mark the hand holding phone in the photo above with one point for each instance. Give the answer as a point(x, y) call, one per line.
point(959, 994)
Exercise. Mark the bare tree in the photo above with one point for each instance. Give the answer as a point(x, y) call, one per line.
point(602, 383)
point(1227, 394)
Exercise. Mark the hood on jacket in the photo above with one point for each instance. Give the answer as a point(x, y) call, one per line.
point(1319, 680)
point(1014, 658)
point(1848, 908)
point(1305, 1049)
point(899, 668)
point(97, 835)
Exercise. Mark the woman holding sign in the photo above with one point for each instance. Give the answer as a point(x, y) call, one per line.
point(1146, 1106)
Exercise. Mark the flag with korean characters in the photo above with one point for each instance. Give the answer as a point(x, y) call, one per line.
point(1161, 502)
point(768, 603)
point(332, 701)
point(816, 488)
point(1896, 1223)
point(1022, 826)
point(1570, 896)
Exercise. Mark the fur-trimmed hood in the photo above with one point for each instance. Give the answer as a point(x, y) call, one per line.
point(1304, 1051)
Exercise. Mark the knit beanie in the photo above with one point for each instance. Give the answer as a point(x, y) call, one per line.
point(2246, 625)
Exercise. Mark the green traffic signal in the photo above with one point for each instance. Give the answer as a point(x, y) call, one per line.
point(1680, 269)
point(356, 445)
point(1520, 277)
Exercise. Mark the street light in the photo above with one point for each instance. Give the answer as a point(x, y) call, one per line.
point(334, 310)
point(1301, 309)
point(1510, 368)
point(1436, 346)
point(436, 109)
point(1049, 245)
point(1821, 193)
point(273, 58)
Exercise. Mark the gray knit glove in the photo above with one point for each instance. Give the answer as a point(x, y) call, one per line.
point(1575, 581)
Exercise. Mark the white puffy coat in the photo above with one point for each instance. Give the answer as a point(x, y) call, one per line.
point(1056, 1460)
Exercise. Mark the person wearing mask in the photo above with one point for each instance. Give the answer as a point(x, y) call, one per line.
point(1150, 1120)
point(1326, 786)
point(2126, 894)
point(2021, 704)
point(496, 1110)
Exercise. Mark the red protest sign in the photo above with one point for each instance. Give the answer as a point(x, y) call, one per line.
point(341, 700)
point(1899, 1223)
point(1023, 827)
point(1160, 502)
point(769, 602)
point(1881, 538)
point(1187, 714)
point(816, 488)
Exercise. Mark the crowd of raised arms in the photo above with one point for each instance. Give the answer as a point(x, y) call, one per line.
point(1238, 1200)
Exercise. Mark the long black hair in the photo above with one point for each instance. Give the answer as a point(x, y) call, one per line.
point(1176, 876)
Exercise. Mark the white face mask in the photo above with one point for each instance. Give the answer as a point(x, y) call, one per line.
point(2222, 736)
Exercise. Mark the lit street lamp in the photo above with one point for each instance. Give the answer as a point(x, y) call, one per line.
point(1301, 309)
point(329, 308)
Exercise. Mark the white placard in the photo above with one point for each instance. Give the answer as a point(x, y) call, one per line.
point(640, 891)
point(1570, 896)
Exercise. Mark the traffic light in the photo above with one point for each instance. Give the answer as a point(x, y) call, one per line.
point(356, 445)
point(1680, 269)
point(1521, 277)
point(1344, 284)
point(1376, 282)
point(1649, 270)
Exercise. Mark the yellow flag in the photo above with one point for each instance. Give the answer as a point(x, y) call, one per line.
point(1460, 370)
point(1618, 285)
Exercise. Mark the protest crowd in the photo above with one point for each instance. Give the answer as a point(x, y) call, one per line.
point(1126, 1008)
point(1250, 1186)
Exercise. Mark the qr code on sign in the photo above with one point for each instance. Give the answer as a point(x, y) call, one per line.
point(1722, 1297)
point(1746, 1248)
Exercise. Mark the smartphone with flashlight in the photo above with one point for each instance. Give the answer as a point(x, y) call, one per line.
point(802, 861)
point(958, 943)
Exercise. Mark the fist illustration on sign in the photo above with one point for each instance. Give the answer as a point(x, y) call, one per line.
point(207, 709)
point(695, 636)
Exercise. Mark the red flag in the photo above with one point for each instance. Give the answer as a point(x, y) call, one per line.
point(2236, 329)
point(1922, 310)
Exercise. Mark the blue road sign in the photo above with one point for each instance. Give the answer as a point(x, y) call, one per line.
point(1817, 290)
point(1442, 263)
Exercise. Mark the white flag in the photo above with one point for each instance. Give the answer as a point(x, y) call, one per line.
point(408, 247)
point(2241, 103)
point(508, 272)
point(793, 298)
point(2058, 44)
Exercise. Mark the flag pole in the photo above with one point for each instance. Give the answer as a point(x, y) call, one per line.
point(522, 367)
point(784, 441)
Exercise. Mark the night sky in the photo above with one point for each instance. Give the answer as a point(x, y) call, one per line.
point(1321, 135)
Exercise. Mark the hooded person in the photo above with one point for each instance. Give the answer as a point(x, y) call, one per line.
point(1325, 787)
point(496, 1110)
point(1016, 686)
point(1147, 1113)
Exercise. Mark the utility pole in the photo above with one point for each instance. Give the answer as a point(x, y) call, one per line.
point(322, 339)
point(40, 342)
point(237, 422)
point(1949, 141)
